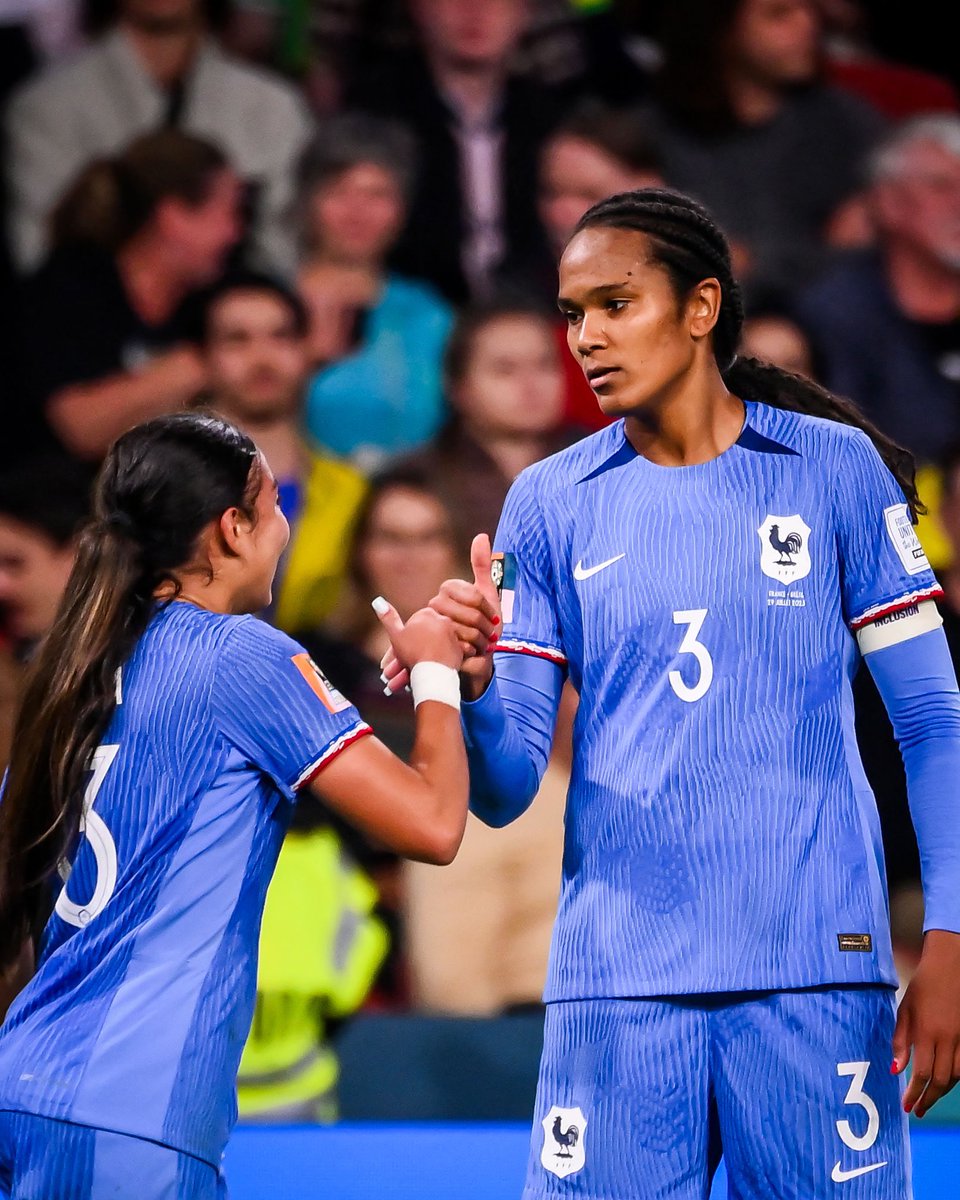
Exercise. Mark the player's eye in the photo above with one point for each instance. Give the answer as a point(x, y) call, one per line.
point(571, 315)
point(616, 306)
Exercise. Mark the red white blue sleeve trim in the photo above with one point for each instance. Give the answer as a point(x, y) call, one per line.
point(361, 729)
point(518, 646)
point(934, 592)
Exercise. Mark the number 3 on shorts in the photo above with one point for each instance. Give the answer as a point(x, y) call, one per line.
point(856, 1095)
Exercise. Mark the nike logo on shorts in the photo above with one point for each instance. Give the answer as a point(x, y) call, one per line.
point(582, 572)
point(838, 1175)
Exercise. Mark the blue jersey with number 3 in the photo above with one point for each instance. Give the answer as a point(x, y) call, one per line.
point(720, 831)
point(142, 1001)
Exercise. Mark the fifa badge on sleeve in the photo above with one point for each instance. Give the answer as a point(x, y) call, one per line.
point(332, 700)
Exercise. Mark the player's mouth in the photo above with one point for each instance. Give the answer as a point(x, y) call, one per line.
point(601, 378)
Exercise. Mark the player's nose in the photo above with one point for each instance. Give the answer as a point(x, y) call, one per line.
point(591, 335)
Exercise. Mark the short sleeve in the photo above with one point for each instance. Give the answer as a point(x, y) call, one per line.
point(523, 573)
point(883, 566)
point(274, 704)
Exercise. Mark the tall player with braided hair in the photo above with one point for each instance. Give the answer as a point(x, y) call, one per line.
point(709, 570)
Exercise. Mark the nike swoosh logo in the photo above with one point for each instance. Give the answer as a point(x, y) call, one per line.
point(582, 572)
point(840, 1176)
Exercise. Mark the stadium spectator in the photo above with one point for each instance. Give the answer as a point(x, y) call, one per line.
point(473, 940)
point(321, 948)
point(153, 63)
point(747, 124)
point(33, 32)
point(42, 505)
point(885, 319)
point(853, 61)
point(377, 337)
point(480, 127)
point(254, 354)
point(505, 383)
point(772, 334)
point(403, 544)
point(478, 934)
point(102, 329)
point(595, 151)
point(915, 36)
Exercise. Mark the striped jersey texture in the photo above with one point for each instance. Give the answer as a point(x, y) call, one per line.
point(141, 1004)
point(720, 831)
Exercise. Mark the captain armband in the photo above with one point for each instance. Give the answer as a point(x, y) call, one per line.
point(900, 626)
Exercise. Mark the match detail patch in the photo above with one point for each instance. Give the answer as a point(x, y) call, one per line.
point(332, 700)
point(861, 942)
point(503, 570)
point(905, 540)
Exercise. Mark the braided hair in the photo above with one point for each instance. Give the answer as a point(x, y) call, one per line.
point(689, 246)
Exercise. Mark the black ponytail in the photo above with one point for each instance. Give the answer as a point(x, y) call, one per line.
point(158, 488)
point(689, 245)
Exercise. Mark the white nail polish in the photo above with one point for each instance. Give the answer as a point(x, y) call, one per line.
point(379, 606)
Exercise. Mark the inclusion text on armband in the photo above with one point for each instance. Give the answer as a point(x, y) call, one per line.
point(899, 614)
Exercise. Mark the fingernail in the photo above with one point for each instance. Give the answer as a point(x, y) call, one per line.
point(894, 1067)
point(383, 677)
point(494, 620)
point(386, 690)
point(379, 606)
point(408, 688)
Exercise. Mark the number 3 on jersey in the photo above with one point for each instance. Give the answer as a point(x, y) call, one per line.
point(93, 828)
point(694, 618)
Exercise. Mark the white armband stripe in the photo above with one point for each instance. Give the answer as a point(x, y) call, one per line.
point(899, 626)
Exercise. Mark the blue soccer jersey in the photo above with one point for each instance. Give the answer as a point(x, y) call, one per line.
point(720, 831)
point(144, 992)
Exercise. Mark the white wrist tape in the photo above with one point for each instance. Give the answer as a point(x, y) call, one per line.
point(434, 681)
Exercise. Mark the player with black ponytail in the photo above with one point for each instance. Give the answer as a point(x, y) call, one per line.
point(162, 741)
point(709, 569)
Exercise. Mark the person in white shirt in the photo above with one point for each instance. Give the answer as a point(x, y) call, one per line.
point(157, 63)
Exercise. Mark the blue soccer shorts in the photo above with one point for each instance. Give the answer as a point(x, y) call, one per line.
point(638, 1099)
point(41, 1159)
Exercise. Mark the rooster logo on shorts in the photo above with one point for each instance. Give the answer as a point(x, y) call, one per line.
point(563, 1150)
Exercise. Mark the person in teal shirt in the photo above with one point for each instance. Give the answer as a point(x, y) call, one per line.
point(377, 338)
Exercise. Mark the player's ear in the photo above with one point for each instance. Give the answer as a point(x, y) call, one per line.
point(233, 527)
point(703, 307)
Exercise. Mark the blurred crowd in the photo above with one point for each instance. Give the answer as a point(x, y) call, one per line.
point(337, 223)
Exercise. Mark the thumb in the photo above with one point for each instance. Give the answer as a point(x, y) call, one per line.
point(901, 1040)
point(481, 559)
point(388, 616)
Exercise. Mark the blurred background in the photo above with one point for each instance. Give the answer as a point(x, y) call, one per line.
point(337, 222)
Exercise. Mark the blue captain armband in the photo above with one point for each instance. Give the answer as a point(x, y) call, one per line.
point(508, 733)
point(911, 665)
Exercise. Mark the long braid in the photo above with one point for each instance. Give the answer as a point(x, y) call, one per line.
point(689, 245)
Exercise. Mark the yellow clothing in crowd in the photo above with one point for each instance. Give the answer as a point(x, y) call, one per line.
point(321, 946)
point(314, 563)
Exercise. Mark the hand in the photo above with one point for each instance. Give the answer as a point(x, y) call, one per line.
point(928, 1023)
point(474, 609)
point(426, 637)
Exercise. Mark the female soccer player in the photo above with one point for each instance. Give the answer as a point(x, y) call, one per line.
point(160, 747)
point(707, 569)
